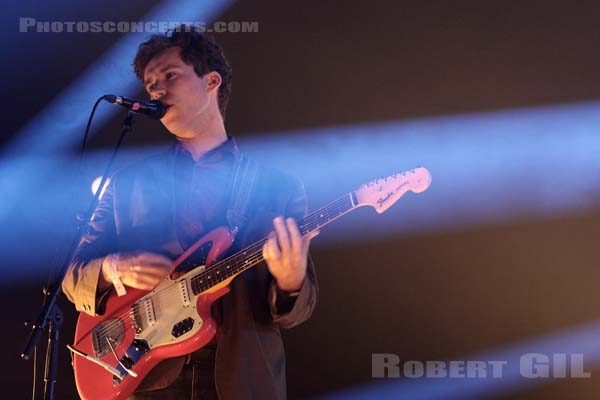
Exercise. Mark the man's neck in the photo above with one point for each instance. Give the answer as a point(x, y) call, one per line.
point(204, 140)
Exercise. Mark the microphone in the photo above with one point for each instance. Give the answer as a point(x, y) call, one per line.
point(153, 109)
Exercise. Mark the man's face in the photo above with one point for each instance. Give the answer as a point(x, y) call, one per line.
point(186, 95)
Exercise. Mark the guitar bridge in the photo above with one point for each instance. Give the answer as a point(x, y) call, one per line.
point(111, 329)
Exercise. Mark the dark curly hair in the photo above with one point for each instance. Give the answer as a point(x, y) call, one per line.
point(197, 49)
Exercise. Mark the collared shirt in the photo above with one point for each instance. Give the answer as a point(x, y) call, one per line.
point(201, 190)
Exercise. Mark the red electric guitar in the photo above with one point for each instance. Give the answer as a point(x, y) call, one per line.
point(113, 352)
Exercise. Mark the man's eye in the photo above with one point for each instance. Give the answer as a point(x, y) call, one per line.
point(169, 75)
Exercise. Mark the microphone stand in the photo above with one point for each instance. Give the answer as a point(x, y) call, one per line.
point(51, 314)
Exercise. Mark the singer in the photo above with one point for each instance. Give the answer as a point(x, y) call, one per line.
point(155, 210)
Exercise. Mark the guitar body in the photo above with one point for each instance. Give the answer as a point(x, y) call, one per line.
point(145, 327)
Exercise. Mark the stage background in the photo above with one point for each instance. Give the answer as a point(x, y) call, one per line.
point(446, 292)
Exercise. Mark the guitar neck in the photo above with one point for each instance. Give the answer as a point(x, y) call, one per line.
point(252, 255)
point(327, 214)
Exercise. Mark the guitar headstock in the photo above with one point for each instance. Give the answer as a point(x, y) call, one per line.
point(382, 193)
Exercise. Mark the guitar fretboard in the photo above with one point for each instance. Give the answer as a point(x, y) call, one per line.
point(252, 255)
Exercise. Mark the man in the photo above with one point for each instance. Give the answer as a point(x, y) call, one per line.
point(154, 210)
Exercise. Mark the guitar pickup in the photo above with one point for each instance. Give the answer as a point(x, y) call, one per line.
point(185, 293)
point(148, 308)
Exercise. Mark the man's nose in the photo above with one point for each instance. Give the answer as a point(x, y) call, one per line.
point(157, 91)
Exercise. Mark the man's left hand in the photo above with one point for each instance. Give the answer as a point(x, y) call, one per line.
point(286, 254)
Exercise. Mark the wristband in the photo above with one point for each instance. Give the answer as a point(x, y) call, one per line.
point(286, 294)
point(114, 274)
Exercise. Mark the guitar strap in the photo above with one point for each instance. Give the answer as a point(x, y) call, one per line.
point(242, 186)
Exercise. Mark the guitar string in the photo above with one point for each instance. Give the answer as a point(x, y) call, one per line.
point(255, 258)
point(332, 211)
point(197, 281)
point(336, 206)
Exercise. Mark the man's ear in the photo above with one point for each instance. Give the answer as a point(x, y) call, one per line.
point(213, 81)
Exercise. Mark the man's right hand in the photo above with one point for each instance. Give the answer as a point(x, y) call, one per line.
point(137, 269)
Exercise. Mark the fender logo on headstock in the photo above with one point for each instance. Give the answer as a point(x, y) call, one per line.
point(380, 201)
point(383, 200)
